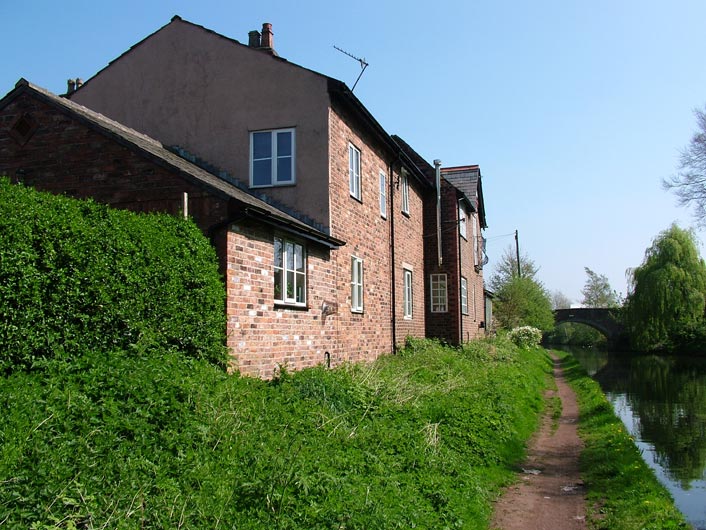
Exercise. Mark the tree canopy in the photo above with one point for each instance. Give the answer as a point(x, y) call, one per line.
point(689, 184)
point(665, 308)
point(523, 302)
point(506, 269)
point(597, 291)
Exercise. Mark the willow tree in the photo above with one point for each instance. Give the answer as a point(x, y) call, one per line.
point(666, 303)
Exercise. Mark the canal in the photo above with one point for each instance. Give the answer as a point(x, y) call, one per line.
point(662, 402)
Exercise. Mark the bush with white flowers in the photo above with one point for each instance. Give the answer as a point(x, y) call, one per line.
point(525, 336)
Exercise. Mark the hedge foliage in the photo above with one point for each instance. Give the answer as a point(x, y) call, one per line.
point(78, 276)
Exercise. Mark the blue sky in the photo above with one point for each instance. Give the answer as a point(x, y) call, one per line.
point(575, 111)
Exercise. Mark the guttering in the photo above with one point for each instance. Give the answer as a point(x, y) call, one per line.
point(294, 228)
point(393, 301)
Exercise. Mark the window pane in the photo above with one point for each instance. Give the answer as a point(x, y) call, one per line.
point(284, 143)
point(289, 249)
point(278, 252)
point(301, 287)
point(262, 172)
point(290, 285)
point(284, 169)
point(262, 145)
point(278, 285)
point(299, 258)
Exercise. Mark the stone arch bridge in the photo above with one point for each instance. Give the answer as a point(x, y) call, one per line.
point(605, 320)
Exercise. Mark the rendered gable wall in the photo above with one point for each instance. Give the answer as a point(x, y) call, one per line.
point(187, 86)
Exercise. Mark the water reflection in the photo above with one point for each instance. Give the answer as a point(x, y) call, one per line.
point(662, 401)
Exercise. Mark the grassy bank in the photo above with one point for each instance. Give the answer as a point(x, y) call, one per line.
point(623, 492)
point(423, 439)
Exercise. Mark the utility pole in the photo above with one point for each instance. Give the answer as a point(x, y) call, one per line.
point(517, 250)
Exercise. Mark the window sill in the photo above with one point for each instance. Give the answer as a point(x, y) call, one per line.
point(278, 185)
point(357, 311)
point(406, 214)
point(357, 199)
point(281, 305)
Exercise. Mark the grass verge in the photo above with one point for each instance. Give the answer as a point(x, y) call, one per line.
point(423, 439)
point(623, 492)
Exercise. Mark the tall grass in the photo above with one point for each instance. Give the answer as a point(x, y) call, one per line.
point(159, 440)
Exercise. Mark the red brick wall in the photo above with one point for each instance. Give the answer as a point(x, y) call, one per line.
point(364, 335)
point(457, 261)
point(65, 156)
point(263, 337)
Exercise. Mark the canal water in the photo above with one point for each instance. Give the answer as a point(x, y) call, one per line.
point(662, 402)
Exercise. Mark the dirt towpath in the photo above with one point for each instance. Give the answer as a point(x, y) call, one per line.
point(549, 493)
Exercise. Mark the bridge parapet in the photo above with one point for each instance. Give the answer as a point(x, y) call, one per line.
point(605, 320)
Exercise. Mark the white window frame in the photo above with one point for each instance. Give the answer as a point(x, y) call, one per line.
point(462, 222)
point(274, 158)
point(405, 194)
point(383, 195)
point(354, 171)
point(289, 273)
point(408, 295)
point(464, 295)
point(438, 287)
point(356, 284)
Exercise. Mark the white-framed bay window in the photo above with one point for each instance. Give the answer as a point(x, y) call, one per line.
point(272, 158)
point(408, 295)
point(289, 272)
point(354, 172)
point(356, 284)
point(439, 293)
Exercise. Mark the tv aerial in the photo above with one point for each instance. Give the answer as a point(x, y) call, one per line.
point(363, 64)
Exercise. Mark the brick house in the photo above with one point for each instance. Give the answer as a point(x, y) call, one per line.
point(317, 214)
point(455, 250)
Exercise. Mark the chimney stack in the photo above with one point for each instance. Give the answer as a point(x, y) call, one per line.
point(267, 36)
point(254, 39)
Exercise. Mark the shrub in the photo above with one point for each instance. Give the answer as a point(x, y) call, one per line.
point(76, 276)
point(525, 336)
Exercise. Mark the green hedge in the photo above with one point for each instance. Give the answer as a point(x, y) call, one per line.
point(77, 276)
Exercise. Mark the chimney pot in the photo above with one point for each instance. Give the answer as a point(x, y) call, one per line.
point(71, 86)
point(79, 83)
point(267, 36)
point(254, 39)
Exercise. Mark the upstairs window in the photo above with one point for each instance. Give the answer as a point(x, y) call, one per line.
point(356, 285)
point(290, 272)
point(462, 222)
point(354, 171)
point(383, 195)
point(405, 194)
point(439, 295)
point(272, 159)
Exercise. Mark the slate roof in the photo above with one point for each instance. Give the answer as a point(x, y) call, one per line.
point(468, 180)
point(154, 150)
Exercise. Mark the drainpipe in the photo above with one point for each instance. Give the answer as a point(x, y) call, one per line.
point(437, 168)
point(460, 273)
point(393, 301)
